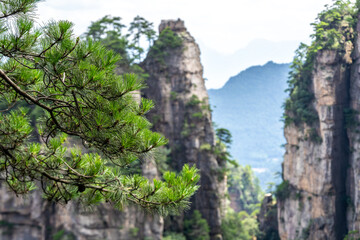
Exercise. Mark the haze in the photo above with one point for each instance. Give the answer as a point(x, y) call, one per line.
point(232, 35)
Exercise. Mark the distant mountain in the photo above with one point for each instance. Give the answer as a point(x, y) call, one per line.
point(250, 106)
point(257, 52)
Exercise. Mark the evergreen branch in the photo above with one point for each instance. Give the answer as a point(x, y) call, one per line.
point(22, 92)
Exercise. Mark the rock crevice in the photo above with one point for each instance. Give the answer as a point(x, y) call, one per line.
point(316, 168)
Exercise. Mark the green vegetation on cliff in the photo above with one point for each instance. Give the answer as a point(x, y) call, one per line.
point(196, 228)
point(283, 190)
point(239, 226)
point(334, 30)
point(244, 193)
point(243, 184)
point(166, 40)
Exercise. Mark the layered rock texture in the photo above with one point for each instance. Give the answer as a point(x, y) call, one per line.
point(314, 170)
point(320, 193)
point(182, 113)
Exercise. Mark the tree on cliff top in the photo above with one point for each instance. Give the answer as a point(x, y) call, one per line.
point(75, 84)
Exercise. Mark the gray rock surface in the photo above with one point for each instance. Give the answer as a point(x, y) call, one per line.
point(316, 171)
point(186, 123)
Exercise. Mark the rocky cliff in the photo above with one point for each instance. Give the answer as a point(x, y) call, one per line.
point(182, 113)
point(315, 171)
point(318, 198)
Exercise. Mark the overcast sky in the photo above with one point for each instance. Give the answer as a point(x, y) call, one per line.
point(220, 26)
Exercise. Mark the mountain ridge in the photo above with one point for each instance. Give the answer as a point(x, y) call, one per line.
point(250, 106)
point(257, 52)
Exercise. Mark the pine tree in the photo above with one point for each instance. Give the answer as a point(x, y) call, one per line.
point(75, 85)
point(141, 27)
point(108, 31)
point(196, 227)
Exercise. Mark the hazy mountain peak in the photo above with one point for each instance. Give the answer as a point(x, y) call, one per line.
point(249, 105)
point(217, 66)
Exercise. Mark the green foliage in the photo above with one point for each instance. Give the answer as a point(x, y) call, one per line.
point(75, 84)
point(63, 235)
point(352, 235)
point(298, 108)
point(134, 231)
point(162, 159)
point(186, 130)
point(141, 27)
point(173, 96)
point(243, 183)
point(196, 228)
point(221, 173)
point(205, 147)
point(197, 115)
point(6, 227)
point(197, 108)
point(58, 235)
point(312, 135)
point(173, 236)
point(221, 149)
point(224, 135)
point(239, 226)
point(108, 31)
point(282, 191)
point(333, 28)
point(132, 168)
point(194, 101)
point(167, 40)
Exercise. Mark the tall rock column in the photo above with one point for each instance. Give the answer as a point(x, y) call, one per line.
point(182, 114)
point(313, 204)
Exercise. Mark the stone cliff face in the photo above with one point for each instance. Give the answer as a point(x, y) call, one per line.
point(320, 193)
point(176, 84)
point(314, 171)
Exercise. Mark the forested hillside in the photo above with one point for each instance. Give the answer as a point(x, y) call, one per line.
point(250, 106)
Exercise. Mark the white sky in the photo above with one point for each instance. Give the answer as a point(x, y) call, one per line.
point(224, 26)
